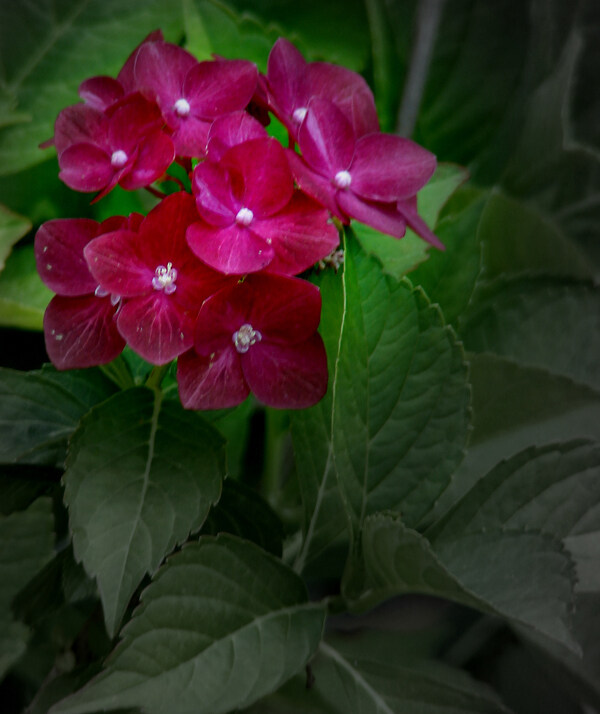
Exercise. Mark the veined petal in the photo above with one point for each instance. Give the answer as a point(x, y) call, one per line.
point(232, 129)
point(213, 381)
point(261, 177)
point(191, 137)
point(155, 327)
point(232, 249)
point(385, 217)
point(300, 234)
point(408, 209)
point(326, 138)
point(131, 121)
point(85, 167)
point(115, 262)
point(214, 194)
point(160, 70)
point(287, 376)
point(286, 69)
point(218, 87)
point(154, 156)
point(59, 256)
point(389, 168)
point(81, 332)
point(79, 124)
point(315, 185)
point(126, 76)
point(101, 92)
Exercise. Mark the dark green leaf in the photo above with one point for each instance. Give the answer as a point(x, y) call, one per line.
point(141, 474)
point(21, 484)
point(26, 544)
point(12, 227)
point(541, 322)
point(244, 513)
point(234, 625)
point(40, 410)
point(23, 296)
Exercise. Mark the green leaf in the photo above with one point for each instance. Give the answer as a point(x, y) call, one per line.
point(370, 673)
point(23, 296)
point(519, 575)
point(21, 484)
point(26, 544)
point(48, 49)
point(400, 407)
point(540, 322)
point(400, 257)
point(12, 228)
point(516, 406)
point(40, 410)
point(234, 425)
point(235, 624)
point(141, 474)
point(244, 513)
point(394, 425)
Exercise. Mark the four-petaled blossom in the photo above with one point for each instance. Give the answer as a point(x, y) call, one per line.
point(161, 282)
point(253, 216)
point(257, 336)
point(79, 323)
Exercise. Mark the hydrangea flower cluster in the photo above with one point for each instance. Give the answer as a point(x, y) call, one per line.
point(210, 277)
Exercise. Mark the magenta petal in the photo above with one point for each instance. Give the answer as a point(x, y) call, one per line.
point(383, 217)
point(191, 137)
point(219, 87)
point(230, 130)
point(348, 91)
point(286, 68)
point(78, 124)
point(59, 257)
point(232, 249)
point(160, 70)
point(100, 92)
point(388, 168)
point(287, 376)
point(284, 309)
point(155, 327)
point(408, 209)
point(155, 155)
point(326, 138)
point(301, 235)
point(321, 189)
point(81, 332)
point(126, 76)
point(211, 382)
point(263, 170)
point(85, 167)
point(131, 121)
point(214, 194)
point(115, 263)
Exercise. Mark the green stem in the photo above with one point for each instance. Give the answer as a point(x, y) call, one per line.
point(157, 375)
point(275, 432)
point(118, 372)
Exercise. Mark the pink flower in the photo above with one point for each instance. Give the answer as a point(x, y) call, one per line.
point(292, 83)
point(258, 335)
point(192, 94)
point(253, 217)
point(366, 179)
point(230, 130)
point(124, 145)
point(79, 323)
point(162, 284)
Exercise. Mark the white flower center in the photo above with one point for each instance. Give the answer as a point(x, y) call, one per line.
point(182, 107)
point(164, 279)
point(244, 217)
point(299, 114)
point(245, 337)
point(342, 179)
point(118, 159)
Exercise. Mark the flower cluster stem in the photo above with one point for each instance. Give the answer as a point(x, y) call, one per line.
point(157, 375)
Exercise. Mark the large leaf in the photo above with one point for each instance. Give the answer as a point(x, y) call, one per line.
point(26, 544)
point(516, 406)
point(12, 227)
point(394, 426)
point(48, 48)
point(234, 625)
point(543, 322)
point(23, 296)
point(523, 576)
point(40, 410)
point(399, 257)
point(141, 474)
point(370, 673)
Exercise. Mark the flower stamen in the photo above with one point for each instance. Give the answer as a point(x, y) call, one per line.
point(244, 217)
point(118, 159)
point(164, 279)
point(245, 337)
